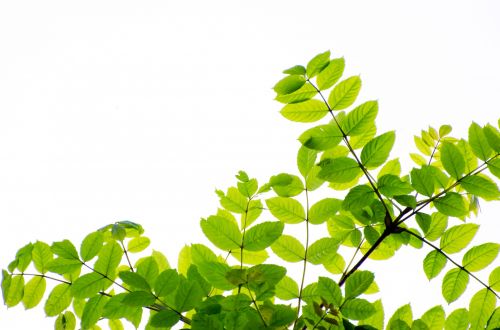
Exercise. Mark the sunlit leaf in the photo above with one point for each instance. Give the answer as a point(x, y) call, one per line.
point(358, 197)
point(93, 310)
point(457, 320)
point(221, 232)
point(360, 118)
point(344, 93)
point(42, 256)
point(357, 309)
point(286, 185)
point(376, 152)
point(339, 170)
point(323, 210)
point(138, 244)
point(493, 137)
point(91, 245)
point(317, 64)
point(422, 180)
point(322, 250)
point(329, 290)
point(479, 143)
point(481, 307)
point(321, 137)
point(331, 73)
point(289, 84)
point(287, 289)
point(289, 248)
point(58, 300)
point(451, 204)
point(458, 237)
point(262, 235)
point(480, 256)
point(434, 263)
point(454, 284)
point(434, 318)
point(481, 186)
point(452, 159)
point(358, 283)
point(391, 185)
point(305, 112)
point(306, 92)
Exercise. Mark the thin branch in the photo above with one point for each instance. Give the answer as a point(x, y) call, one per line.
point(358, 248)
point(42, 275)
point(451, 260)
point(126, 256)
point(256, 306)
point(305, 257)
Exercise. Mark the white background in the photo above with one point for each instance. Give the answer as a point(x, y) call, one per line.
point(139, 110)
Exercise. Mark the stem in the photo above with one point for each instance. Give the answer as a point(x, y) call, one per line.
point(353, 257)
point(305, 257)
point(451, 260)
point(126, 256)
point(257, 307)
point(42, 275)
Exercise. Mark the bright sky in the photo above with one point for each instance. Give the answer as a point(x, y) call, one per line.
point(139, 110)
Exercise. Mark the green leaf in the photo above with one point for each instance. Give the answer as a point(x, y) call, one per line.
point(65, 321)
point(359, 141)
point(329, 290)
point(233, 201)
point(322, 250)
point(458, 237)
point(286, 209)
point(338, 170)
point(307, 111)
point(289, 84)
point(479, 143)
point(148, 268)
point(264, 273)
point(317, 64)
point(221, 232)
point(166, 282)
point(322, 137)
point(345, 93)
point(391, 185)
point(116, 309)
point(452, 159)
point(306, 159)
point(336, 265)
point(438, 225)
point(357, 309)
point(289, 248)
point(164, 319)
point(93, 311)
point(444, 130)
point(493, 137)
point(286, 185)
point(457, 320)
point(88, 285)
point(323, 210)
point(64, 266)
point(451, 204)
point(250, 257)
point(138, 299)
point(42, 256)
point(422, 146)
point(297, 69)
point(376, 152)
point(494, 279)
point(494, 321)
point(358, 283)
point(287, 289)
point(262, 235)
point(23, 257)
point(134, 280)
point(331, 73)
point(434, 263)
point(480, 186)
point(200, 253)
point(376, 320)
point(480, 256)
point(422, 180)
point(15, 291)
point(481, 307)
point(494, 167)
point(434, 318)
point(306, 92)
point(454, 284)
point(64, 249)
point(138, 244)
point(91, 245)
point(358, 197)
point(188, 295)
point(392, 166)
point(404, 315)
point(360, 119)
point(108, 259)
point(59, 299)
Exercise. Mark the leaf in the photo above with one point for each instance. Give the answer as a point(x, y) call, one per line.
point(297, 69)
point(23, 257)
point(317, 64)
point(480, 256)
point(338, 170)
point(59, 299)
point(493, 137)
point(391, 185)
point(93, 311)
point(494, 279)
point(345, 93)
point(376, 152)
point(438, 225)
point(64, 266)
point(422, 180)
point(422, 146)
point(481, 307)
point(33, 292)
point(457, 320)
point(452, 159)
point(148, 268)
point(434, 318)
point(233, 201)
point(188, 295)
point(64, 249)
point(88, 285)
point(357, 309)
point(286, 185)
point(358, 283)
point(286, 209)
point(331, 73)
point(494, 321)
point(138, 244)
point(322, 250)
point(359, 141)
point(329, 290)
point(322, 137)
point(392, 166)
point(289, 248)
point(306, 92)
point(451, 204)
point(166, 282)
point(479, 143)
point(307, 111)
point(444, 130)
point(376, 320)
point(200, 253)
point(403, 314)
point(358, 197)
point(360, 119)
point(289, 84)
point(262, 235)
point(108, 259)
point(14, 292)
point(434, 263)
point(322, 210)
point(454, 284)
point(223, 233)
point(138, 299)
point(335, 265)
point(116, 309)
point(480, 186)
point(134, 280)
point(306, 158)
point(91, 245)
point(458, 237)
point(250, 257)
point(42, 256)
point(494, 167)
point(164, 319)
point(65, 321)
point(287, 289)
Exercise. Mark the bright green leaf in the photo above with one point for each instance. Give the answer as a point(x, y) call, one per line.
point(434, 318)
point(357, 309)
point(358, 283)
point(59, 299)
point(286, 209)
point(358, 197)
point(481, 307)
point(322, 137)
point(138, 244)
point(42, 256)
point(480, 186)
point(289, 248)
point(479, 143)
point(91, 245)
point(376, 152)
point(360, 119)
point(434, 263)
point(323, 210)
point(458, 237)
point(344, 93)
point(221, 232)
point(262, 235)
point(329, 290)
point(134, 280)
point(454, 284)
point(322, 250)
point(452, 159)
point(287, 289)
point(109, 258)
point(93, 311)
point(65, 321)
point(330, 74)
point(289, 84)
point(305, 112)
point(88, 285)
point(338, 170)
point(64, 249)
point(317, 64)
point(457, 320)
point(286, 185)
point(451, 204)
point(480, 256)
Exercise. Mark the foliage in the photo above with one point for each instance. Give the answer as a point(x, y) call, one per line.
point(371, 211)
